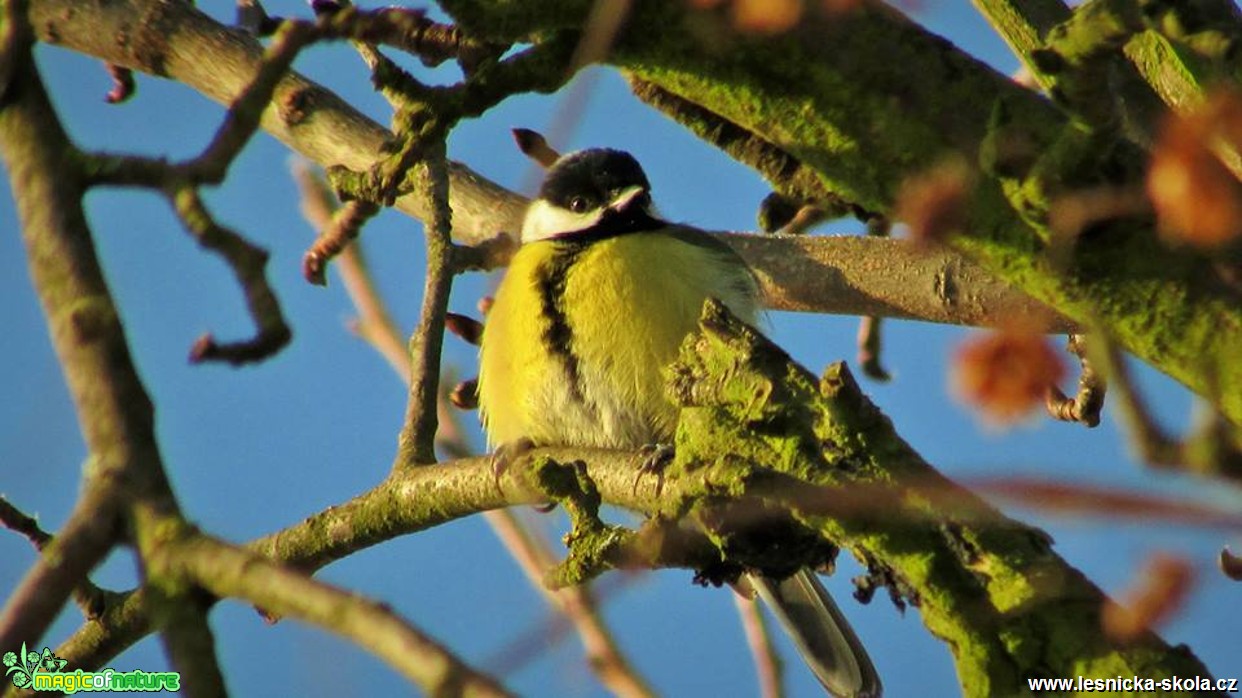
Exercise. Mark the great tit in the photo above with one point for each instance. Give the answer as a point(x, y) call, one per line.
point(595, 303)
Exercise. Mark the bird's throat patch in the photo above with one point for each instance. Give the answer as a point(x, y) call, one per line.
point(613, 224)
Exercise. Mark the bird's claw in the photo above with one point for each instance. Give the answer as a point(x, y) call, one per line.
point(655, 459)
point(504, 456)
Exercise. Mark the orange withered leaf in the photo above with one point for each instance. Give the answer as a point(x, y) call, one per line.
point(1006, 373)
point(1159, 592)
point(766, 16)
point(933, 205)
point(1197, 200)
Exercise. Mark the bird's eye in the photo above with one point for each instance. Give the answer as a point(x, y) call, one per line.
point(578, 204)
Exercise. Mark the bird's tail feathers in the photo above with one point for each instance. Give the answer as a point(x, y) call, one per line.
point(821, 633)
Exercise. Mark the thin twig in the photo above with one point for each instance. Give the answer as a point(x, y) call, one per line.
point(248, 263)
point(334, 237)
point(90, 598)
point(63, 566)
point(869, 332)
point(122, 84)
point(416, 444)
point(374, 323)
point(1086, 405)
point(576, 602)
point(243, 117)
point(768, 663)
point(179, 182)
point(1211, 449)
point(410, 30)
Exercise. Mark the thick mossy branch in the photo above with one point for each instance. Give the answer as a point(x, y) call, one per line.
point(887, 505)
point(992, 588)
point(784, 173)
point(1078, 57)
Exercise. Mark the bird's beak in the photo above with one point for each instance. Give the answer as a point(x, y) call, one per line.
point(626, 197)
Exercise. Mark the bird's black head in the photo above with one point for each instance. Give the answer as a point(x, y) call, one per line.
point(590, 179)
point(591, 194)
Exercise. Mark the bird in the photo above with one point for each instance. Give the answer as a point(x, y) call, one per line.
point(596, 301)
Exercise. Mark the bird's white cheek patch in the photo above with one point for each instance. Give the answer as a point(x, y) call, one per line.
point(543, 221)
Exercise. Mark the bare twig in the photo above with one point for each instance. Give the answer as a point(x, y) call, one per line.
point(1159, 592)
point(122, 84)
point(1112, 503)
point(768, 663)
point(179, 182)
point(228, 571)
point(63, 566)
point(334, 237)
point(433, 42)
point(1086, 405)
point(18, 521)
point(374, 323)
point(90, 598)
point(578, 603)
point(416, 444)
point(244, 114)
point(248, 263)
point(869, 333)
point(1213, 448)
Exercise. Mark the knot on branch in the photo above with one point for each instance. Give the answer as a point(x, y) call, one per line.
point(593, 545)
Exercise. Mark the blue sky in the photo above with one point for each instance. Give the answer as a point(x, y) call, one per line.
point(252, 450)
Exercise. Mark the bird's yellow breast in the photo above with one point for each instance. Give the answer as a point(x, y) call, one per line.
point(575, 344)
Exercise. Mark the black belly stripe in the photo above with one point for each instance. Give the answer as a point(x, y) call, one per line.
point(558, 335)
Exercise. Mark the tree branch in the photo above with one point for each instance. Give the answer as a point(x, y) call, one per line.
point(416, 443)
point(824, 92)
point(230, 572)
point(179, 42)
point(114, 410)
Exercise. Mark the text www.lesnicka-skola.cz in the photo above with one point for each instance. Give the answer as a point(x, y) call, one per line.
point(1133, 684)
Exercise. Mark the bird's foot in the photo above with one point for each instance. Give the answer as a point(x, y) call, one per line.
point(655, 458)
point(505, 455)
